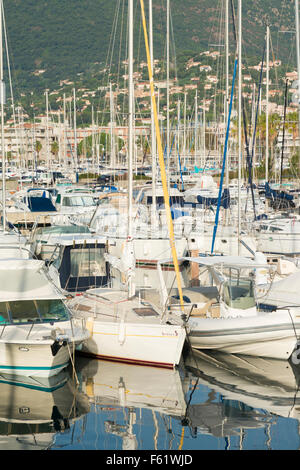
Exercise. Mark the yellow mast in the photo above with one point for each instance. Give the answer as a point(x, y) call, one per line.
point(161, 161)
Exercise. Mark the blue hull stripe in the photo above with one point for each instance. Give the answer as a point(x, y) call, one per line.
point(59, 366)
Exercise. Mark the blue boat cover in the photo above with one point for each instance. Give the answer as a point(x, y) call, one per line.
point(213, 201)
point(40, 204)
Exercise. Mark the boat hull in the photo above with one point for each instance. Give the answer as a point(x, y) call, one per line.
point(39, 353)
point(282, 243)
point(153, 345)
point(32, 359)
point(271, 335)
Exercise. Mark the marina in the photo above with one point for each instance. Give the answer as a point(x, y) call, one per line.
point(150, 271)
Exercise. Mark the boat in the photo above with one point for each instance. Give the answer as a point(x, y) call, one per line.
point(43, 240)
point(279, 235)
point(123, 326)
point(224, 314)
point(38, 334)
point(127, 328)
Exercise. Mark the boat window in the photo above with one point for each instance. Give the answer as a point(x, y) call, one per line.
point(239, 293)
point(78, 201)
point(88, 201)
point(87, 262)
point(275, 229)
point(23, 311)
point(52, 309)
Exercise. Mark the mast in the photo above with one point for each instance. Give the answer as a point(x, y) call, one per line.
point(196, 125)
point(112, 143)
point(184, 129)
point(267, 106)
point(226, 81)
point(298, 63)
point(47, 130)
point(162, 164)
point(168, 91)
point(130, 135)
point(2, 99)
point(153, 137)
point(75, 132)
point(239, 119)
point(204, 119)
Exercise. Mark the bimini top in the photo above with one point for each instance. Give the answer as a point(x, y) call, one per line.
point(227, 261)
point(25, 279)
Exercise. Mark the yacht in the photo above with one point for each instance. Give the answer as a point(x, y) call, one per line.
point(38, 335)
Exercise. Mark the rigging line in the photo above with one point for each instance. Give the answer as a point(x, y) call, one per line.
point(109, 56)
point(250, 159)
point(121, 41)
point(283, 130)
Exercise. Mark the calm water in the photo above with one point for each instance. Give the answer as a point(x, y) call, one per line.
point(215, 402)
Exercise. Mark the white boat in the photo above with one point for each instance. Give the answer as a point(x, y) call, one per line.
point(128, 330)
point(124, 327)
point(280, 236)
point(74, 206)
point(151, 243)
point(37, 334)
point(224, 315)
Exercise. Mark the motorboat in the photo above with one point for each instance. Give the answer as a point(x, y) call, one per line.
point(38, 334)
point(223, 313)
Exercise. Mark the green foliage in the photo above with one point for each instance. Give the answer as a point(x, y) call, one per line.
point(68, 37)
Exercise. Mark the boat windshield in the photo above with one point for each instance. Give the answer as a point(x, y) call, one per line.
point(62, 229)
point(239, 293)
point(79, 201)
point(24, 311)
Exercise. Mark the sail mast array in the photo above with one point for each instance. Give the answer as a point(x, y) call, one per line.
point(161, 160)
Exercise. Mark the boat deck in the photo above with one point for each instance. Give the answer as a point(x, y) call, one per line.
point(114, 306)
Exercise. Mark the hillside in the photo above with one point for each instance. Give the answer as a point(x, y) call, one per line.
point(66, 37)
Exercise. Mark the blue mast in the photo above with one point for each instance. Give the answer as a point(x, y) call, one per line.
point(224, 159)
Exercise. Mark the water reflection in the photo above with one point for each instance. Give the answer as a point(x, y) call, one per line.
point(33, 410)
point(212, 401)
point(127, 397)
point(258, 383)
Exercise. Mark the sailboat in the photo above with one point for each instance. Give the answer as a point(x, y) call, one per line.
point(123, 326)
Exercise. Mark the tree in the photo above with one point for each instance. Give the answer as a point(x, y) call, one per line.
point(38, 148)
point(54, 148)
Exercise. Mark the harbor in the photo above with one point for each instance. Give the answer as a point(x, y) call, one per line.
point(150, 267)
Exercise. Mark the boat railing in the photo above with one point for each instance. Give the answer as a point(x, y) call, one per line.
point(32, 325)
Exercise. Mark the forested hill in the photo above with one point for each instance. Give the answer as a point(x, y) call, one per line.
point(65, 37)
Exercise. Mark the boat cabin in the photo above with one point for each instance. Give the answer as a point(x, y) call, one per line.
point(80, 262)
